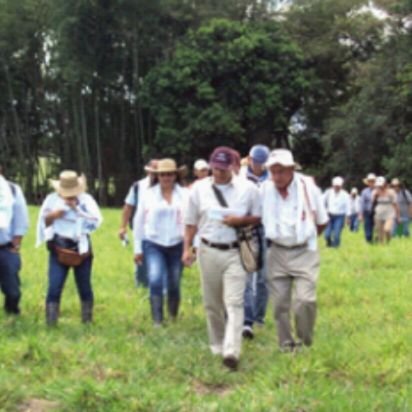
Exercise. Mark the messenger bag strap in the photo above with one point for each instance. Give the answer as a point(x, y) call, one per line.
point(219, 196)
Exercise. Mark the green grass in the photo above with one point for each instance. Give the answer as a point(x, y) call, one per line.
point(361, 359)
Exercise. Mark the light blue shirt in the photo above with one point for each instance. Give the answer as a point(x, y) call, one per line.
point(20, 219)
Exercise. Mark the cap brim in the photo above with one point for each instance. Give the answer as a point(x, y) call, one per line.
point(276, 162)
point(222, 166)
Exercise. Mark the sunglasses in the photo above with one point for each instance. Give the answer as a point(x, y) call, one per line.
point(167, 174)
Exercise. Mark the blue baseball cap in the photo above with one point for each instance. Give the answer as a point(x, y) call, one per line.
point(259, 153)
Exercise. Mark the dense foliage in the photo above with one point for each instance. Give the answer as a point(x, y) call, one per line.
point(102, 86)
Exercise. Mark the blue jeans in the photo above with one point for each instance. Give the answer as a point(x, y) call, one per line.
point(368, 223)
point(57, 278)
point(402, 228)
point(161, 261)
point(354, 222)
point(256, 297)
point(256, 292)
point(334, 230)
point(10, 264)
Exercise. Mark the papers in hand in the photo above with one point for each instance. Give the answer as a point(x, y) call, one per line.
point(220, 213)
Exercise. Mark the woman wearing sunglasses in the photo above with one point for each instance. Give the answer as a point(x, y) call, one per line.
point(159, 221)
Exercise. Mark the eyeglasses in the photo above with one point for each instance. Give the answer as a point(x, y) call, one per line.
point(167, 174)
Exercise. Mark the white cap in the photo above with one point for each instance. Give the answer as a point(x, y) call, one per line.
point(380, 181)
point(201, 164)
point(281, 157)
point(354, 191)
point(337, 181)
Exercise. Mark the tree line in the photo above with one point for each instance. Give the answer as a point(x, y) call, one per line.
point(101, 86)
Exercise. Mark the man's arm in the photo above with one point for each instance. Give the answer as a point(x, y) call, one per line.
point(126, 214)
point(190, 232)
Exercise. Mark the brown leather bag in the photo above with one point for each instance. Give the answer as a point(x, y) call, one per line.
point(70, 257)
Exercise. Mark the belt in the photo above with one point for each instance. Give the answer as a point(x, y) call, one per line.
point(272, 243)
point(6, 245)
point(221, 246)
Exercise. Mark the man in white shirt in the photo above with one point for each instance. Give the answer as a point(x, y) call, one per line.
point(337, 202)
point(223, 276)
point(293, 215)
point(129, 210)
point(14, 222)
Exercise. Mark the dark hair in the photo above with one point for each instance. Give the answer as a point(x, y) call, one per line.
point(155, 180)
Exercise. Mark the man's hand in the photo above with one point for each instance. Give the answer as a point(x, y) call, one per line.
point(233, 221)
point(122, 232)
point(188, 258)
point(138, 259)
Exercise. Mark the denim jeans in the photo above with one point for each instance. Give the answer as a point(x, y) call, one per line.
point(402, 228)
point(368, 223)
point(161, 261)
point(256, 292)
point(334, 230)
point(256, 297)
point(10, 264)
point(354, 222)
point(57, 278)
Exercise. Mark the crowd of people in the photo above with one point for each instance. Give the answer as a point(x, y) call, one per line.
point(175, 225)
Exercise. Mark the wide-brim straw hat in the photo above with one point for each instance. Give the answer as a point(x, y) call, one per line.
point(369, 178)
point(70, 184)
point(169, 166)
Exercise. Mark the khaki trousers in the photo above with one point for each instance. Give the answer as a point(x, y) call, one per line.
point(223, 285)
point(293, 270)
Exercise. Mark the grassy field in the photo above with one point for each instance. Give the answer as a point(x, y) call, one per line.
point(361, 360)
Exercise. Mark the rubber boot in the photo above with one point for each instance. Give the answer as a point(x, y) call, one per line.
point(52, 313)
point(87, 312)
point(156, 303)
point(173, 307)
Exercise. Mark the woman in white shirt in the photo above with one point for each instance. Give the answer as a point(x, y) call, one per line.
point(159, 222)
point(66, 219)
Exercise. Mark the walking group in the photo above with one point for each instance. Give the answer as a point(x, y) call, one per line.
point(384, 209)
point(175, 225)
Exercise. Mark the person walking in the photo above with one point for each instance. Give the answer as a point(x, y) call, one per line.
point(354, 205)
point(366, 207)
point(158, 232)
point(222, 274)
point(14, 223)
point(67, 217)
point(404, 199)
point(338, 207)
point(293, 214)
point(129, 210)
point(386, 210)
point(256, 293)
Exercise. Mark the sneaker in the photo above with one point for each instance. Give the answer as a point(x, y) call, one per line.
point(247, 332)
point(287, 347)
point(231, 363)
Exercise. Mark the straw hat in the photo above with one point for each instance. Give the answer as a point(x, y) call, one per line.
point(395, 182)
point(371, 177)
point(70, 184)
point(169, 166)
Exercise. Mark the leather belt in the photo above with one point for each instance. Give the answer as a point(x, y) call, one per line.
point(272, 243)
point(221, 246)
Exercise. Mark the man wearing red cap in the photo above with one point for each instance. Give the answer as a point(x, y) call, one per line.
point(222, 273)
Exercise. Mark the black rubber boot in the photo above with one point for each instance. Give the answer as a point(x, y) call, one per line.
point(52, 313)
point(87, 312)
point(156, 303)
point(173, 307)
point(11, 305)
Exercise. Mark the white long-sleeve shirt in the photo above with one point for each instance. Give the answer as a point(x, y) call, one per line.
point(337, 203)
point(158, 221)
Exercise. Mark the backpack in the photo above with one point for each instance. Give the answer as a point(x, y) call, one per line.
point(135, 192)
